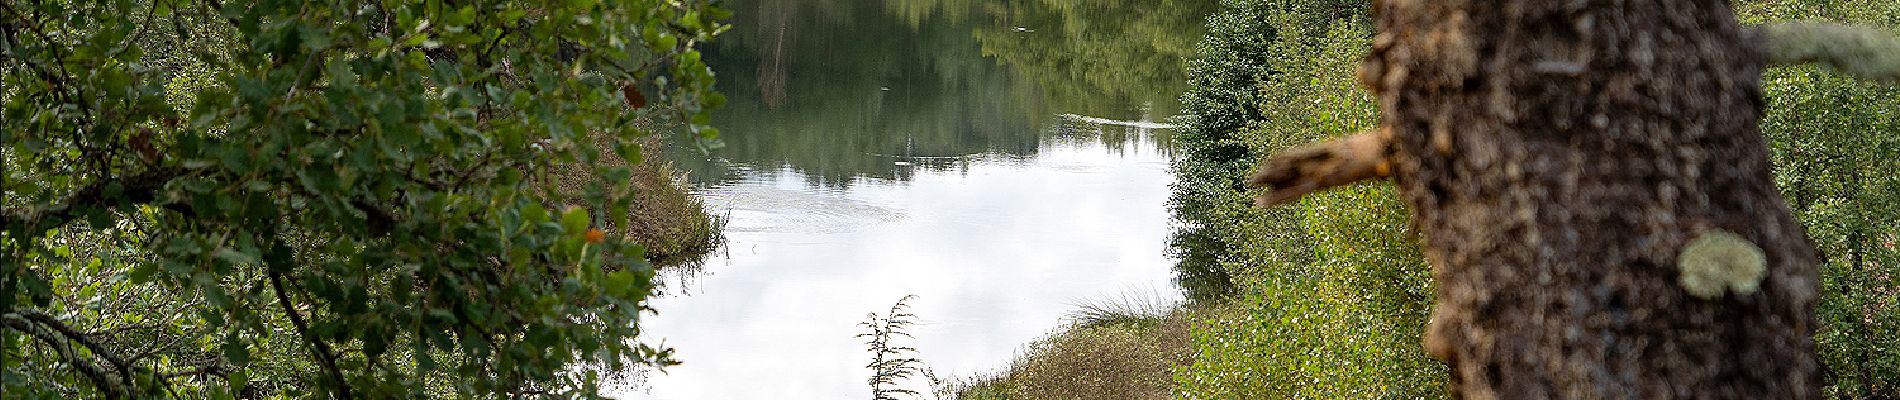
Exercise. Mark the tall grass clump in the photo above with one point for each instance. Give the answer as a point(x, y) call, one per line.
point(1127, 308)
point(673, 226)
point(1110, 351)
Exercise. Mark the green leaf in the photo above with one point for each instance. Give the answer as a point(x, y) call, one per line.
point(235, 351)
point(575, 220)
point(238, 380)
point(236, 257)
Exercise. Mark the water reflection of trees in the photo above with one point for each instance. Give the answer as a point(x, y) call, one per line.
point(843, 89)
point(1112, 54)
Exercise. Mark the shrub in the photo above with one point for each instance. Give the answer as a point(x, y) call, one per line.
point(1328, 295)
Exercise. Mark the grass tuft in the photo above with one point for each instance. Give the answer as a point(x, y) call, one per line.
point(1122, 349)
point(1129, 308)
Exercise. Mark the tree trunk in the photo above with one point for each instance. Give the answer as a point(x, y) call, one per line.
point(1558, 156)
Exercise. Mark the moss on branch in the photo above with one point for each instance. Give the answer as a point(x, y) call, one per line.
point(1863, 52)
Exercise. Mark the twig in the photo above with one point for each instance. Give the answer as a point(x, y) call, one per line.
point(324, 355)
point(140, 188)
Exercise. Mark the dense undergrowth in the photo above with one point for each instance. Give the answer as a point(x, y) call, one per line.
point(1327, 298)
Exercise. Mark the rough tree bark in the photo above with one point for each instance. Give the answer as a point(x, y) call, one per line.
point(1558, 156)
point(1593, 192)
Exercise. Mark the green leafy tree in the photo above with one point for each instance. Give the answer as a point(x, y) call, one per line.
point(1248, 44)
point(343, 199)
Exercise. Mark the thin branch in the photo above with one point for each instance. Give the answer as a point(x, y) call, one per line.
point(1863, 52)
point(322, 350)
point(100, 376)
point(150, 13)
point(141, 188)
point(208, 370)
point(111, 356)
point(1318, 166)
point(122, 329)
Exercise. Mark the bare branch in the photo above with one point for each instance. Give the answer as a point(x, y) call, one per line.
point(1863, 52)
point(1317, 166)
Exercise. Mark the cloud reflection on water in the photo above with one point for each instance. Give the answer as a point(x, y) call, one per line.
point(998, 253)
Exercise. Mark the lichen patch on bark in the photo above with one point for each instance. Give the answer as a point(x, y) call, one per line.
point(1720, 261)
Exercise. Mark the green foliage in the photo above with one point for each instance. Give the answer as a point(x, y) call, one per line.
point(288, 199)
point(1328, 297)
point(1345, 326)
point(1248, 43)
point(1836, 143)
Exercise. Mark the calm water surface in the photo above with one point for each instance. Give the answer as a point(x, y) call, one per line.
point(1001, 160)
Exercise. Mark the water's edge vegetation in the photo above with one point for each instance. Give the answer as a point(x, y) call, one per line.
point(1327, 298)
point(675, 228)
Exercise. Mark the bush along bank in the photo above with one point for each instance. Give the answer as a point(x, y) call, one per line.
point(1327, 297)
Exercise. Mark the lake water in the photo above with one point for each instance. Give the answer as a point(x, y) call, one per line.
point(1001, 160)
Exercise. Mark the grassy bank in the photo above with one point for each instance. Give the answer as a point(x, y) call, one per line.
point(1327, 298)
point(666, 219)
point(674, 226)
point(1108, 352)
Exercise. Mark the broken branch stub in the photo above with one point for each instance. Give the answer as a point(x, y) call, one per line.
point(1313, 167)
